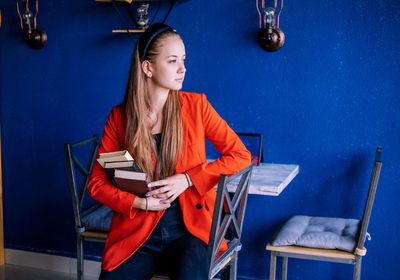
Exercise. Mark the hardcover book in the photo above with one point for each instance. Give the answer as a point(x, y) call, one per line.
point(132, 181)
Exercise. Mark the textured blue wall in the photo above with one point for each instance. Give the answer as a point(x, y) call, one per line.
point(324, 101)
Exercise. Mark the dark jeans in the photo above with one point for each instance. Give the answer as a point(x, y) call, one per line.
point(170, 250)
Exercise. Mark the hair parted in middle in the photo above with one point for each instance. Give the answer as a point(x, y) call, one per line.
point(137, 106)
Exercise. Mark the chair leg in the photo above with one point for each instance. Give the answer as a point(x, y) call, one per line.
point(357, 268)
point(272, 266)
point(80, 258)
point(233, 265)
point(284, 267)
point(229, 273)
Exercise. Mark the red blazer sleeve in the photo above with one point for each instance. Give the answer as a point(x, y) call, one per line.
point(234, 155)
point(100, 186)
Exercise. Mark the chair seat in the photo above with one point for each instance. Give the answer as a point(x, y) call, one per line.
point(328, 253)
point(319, 232)
point(95, 234)
point(98, 220)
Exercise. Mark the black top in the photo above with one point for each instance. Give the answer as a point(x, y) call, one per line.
point(173, 214)
point(157, 138)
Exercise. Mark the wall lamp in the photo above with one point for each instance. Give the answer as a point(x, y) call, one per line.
point(270, 37)
point(35, 36)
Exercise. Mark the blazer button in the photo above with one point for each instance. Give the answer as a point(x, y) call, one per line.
point(198, 206)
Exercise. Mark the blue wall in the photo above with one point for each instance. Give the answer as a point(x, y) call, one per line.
point(324, 101)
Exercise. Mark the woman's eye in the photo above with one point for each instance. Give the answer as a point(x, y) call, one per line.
point(172, 61)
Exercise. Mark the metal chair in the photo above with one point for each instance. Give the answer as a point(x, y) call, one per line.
point(332, 255)
point(259, 156)
point(87, 229)
point(227, 223)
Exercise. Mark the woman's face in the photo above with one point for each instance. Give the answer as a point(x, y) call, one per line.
point(168, 69)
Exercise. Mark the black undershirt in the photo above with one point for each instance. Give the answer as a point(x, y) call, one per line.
point(173, 214)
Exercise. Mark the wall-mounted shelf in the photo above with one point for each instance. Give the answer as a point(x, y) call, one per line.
point(128, 1)
point(126, 31)
point(139, 23)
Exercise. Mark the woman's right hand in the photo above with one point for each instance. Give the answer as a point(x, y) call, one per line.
point(153, 204)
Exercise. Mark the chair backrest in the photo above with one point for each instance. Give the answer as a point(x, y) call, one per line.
point(370, 199)
point(74, 164)
point(228, 218)
point(258, 156)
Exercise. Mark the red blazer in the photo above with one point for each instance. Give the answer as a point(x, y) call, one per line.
point(131, 227)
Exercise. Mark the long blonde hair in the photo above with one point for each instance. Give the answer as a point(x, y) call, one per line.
point(139, 139)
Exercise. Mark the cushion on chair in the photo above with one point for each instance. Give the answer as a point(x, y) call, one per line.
point(319, 232)
point(100, 219)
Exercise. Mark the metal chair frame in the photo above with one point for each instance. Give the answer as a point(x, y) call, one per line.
point(227, 223)
point(78, 194)
point(329, 255)
point(260, 154)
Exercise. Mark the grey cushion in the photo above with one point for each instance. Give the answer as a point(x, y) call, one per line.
point(100, 219)
point(319, 232)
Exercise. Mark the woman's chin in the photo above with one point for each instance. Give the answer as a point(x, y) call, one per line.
point(177, 87)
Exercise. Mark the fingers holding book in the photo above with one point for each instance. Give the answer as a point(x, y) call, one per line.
point(166, 194)
point(168, 189)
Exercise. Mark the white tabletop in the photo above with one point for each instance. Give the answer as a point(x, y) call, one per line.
point(270, 178)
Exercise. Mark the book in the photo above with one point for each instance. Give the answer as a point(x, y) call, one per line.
point(113, 157)
point(123, 153)
point(132, 181)
point(110, 167)
point(119, 164)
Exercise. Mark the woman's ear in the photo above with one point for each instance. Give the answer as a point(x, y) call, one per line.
point(146, 67)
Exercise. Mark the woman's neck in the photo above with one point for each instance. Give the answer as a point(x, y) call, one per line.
point(158, 99)
point(158, 96)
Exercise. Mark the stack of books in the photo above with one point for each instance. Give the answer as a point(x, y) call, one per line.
point(127, 175)
point(120, 159)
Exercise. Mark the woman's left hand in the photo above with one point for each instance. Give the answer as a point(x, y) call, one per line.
point(168, 189)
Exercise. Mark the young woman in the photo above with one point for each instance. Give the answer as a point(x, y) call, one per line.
point(164, 129)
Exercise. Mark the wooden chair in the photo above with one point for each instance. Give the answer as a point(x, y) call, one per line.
point(331, 255)
point(258, 155)
point(91, 223)
point(228, 223)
